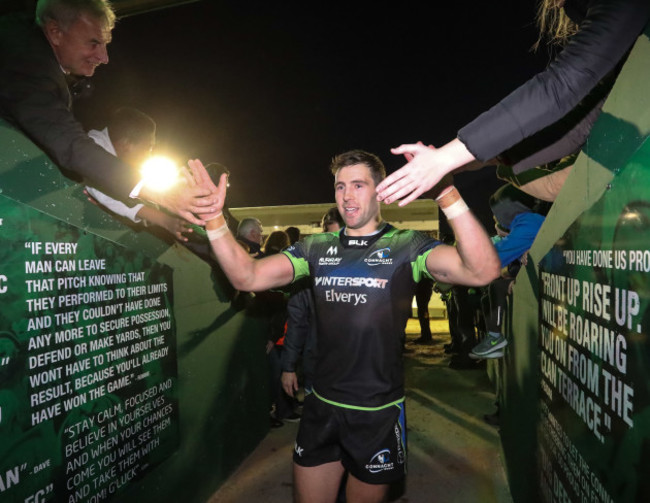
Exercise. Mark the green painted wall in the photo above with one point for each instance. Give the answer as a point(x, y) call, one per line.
point(221, 384)
point(613, 168)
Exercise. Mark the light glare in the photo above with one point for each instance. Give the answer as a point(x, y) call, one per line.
point(159, 173)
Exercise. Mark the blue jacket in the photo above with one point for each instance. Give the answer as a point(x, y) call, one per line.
point(523, 230)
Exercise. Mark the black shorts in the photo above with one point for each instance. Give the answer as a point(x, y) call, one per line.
point(371, 445)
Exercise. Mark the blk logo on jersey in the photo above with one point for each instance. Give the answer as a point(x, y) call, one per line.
point(380, 462)
point(359, 243)
point(379, 257)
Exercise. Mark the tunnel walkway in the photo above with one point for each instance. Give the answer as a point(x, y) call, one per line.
point(454, 456)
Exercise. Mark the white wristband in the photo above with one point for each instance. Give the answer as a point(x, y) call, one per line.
point(455, 209)
point(213, 217)
point(217, 233)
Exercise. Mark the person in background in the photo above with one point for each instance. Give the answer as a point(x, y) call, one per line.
point(293, 233)
point(423, 295)
point(518, 218)
point(38, 55)
point(462, 328)
point(549, 116)
point(275, 243)
point(131, 135)
point(251, 233)
point(283, 407)
point(332, 220)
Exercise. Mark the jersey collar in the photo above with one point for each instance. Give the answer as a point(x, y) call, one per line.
point(363, 241)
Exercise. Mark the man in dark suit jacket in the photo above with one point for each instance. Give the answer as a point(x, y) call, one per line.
point(36, 59)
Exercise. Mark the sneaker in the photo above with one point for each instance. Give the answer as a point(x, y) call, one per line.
point(494, 354)
point(294, 417)
point(488, 346)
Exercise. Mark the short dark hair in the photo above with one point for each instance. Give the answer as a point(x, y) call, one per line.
point(65, 12)
point(276, 242)
point(215, 170)
point(330, 217)
point(293, 233)
point(130, 124)
point(507, 202)
point(352, 157)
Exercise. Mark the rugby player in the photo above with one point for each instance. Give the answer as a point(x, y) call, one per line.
point(364, 278)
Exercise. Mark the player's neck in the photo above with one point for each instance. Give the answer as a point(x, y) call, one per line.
point(369, 229)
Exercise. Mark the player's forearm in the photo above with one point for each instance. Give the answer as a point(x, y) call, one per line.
point(478, 256)
point(152, 215)
point(474, 165)
point(233, 259)
point(244, 272)
point(479, 263)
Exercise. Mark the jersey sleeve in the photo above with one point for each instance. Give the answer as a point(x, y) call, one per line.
point(297, 255)
point(421, 247)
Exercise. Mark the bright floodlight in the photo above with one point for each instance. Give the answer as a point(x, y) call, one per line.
point(159, 173)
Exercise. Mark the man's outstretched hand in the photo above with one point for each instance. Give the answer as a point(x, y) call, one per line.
point(184, 200)
point(426, 167)
point(445, 182)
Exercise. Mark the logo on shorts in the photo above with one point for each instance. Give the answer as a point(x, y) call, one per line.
point(298, 450)
point(398, 437)
point(380, 462)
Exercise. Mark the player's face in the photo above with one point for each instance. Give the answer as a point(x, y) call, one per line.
point(82, 47)
point(356, 198)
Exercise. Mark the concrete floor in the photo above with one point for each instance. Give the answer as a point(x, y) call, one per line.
point(454, 456)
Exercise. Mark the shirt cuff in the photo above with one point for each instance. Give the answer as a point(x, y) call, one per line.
point(135, 193)
point(133, 214)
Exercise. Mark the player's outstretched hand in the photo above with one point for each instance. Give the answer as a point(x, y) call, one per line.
point(199, 177)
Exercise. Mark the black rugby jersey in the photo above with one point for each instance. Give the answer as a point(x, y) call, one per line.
point(363, 291)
